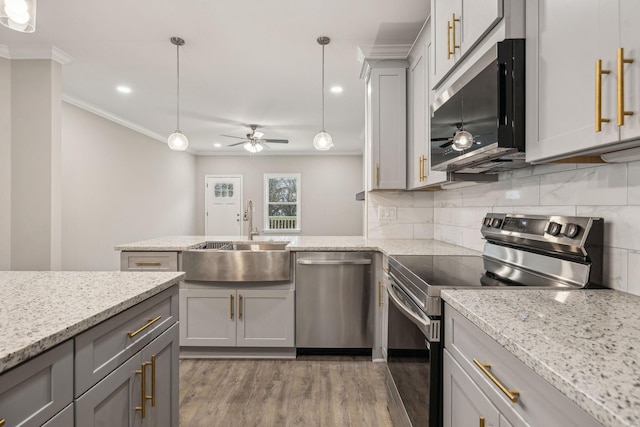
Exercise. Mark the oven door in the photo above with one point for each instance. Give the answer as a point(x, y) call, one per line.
point(414, 363)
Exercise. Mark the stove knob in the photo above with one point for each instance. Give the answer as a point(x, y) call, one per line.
point(553, 228)
point(487, 222)
point(496, 222)
point(571, 230)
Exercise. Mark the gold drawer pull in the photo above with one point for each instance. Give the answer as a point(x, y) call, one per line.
point(481, 423)
point(146, 325)
point(2, 421)
point(484, 367)
point(239, 307)
point(231, 307)
point(377, 174)
point(156, 263)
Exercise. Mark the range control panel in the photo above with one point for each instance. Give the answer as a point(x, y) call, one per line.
point(553, 228)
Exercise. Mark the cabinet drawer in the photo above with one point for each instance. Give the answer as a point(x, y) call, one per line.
point(149, 261)
point(63, 419)
point(104, 347)
point(538, 403)
point(35, 391)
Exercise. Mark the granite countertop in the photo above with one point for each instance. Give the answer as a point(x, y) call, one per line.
point(584, 342)
point(311, 243)
point(41, 309)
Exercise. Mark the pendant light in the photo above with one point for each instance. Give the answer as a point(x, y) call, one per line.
point(19, 15)
point(322, 140)
point(177, 141)
point(462, 140)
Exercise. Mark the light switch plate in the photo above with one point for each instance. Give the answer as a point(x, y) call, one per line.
point(386, 212)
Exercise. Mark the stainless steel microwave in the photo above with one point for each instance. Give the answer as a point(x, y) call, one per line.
point(479, 127)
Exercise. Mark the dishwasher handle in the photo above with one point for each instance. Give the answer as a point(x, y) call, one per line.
point(334, 261)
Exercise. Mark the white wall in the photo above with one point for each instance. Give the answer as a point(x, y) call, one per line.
point(118, 186)
point(5, 164)
point(414, 215)
point(329, 186)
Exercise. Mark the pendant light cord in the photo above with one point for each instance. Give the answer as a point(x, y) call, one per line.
point(178, 87)
point(322, 88)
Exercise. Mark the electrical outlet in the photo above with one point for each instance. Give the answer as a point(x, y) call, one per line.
point(386, 212)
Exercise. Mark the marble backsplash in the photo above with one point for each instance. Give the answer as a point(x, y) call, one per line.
point(610, 191)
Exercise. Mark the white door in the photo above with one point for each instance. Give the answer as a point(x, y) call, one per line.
point(223, 205)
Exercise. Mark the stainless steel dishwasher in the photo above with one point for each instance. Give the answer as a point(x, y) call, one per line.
point(334, 300)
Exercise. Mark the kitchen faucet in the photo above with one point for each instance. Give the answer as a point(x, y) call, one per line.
point(248, 216)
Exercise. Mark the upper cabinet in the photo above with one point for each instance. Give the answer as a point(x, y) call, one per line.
point(386, 124)
point(582, 77)
point(459, 25)
point(419, 172)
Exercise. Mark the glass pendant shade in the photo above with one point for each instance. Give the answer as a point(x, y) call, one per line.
point(253, 147)
point(462, 140)
point(322, 141)
point(177, 141)
point(19, 15)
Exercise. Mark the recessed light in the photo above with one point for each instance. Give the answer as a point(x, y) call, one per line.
point(123, 89)
point(217, 145)
point(336, 89)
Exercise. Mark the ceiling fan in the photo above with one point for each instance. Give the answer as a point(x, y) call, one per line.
point(254, 141)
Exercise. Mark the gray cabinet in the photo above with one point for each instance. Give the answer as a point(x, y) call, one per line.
point(231, 317)
point(35, 391)
point(149, 261)
point(120, 399)
point(380, 281)
point(63, 419)
point(386, 125)
point(482, 379)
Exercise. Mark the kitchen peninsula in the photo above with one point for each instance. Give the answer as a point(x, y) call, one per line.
point(68, 339)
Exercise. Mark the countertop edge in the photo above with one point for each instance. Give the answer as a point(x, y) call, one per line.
point(25, 353)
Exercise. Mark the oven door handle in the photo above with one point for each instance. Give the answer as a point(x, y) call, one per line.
point(422, 323)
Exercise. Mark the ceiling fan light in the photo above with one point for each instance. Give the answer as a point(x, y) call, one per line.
point(322, 141)
point(258, 134)
point(253, 147)
point(462, 140)
point(177, 141)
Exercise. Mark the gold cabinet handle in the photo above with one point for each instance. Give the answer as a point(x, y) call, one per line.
point(153, 380)
point(156, 263)
point(239, 307)
point(145, 326)
point(380, 301)
point(484, 367)
point(143, 389)
point(420, 169)
point(386, 270)
point(599, 73)
point(621, 61)
point(231, 307)
point(453, 33)
point(449, 39)
point(377, 174)
point(481, 423)
point(2, 421)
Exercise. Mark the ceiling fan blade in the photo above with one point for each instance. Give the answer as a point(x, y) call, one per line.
point(231, 136)
point(276, 141)
point(446, 144)
point(237, 143)
point(264, 145)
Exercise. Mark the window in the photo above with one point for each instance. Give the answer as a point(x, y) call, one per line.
point(282, 201)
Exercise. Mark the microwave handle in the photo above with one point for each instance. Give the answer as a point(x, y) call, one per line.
point(502, 90)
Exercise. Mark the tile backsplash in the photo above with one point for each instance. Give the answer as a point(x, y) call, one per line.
point(610, 191)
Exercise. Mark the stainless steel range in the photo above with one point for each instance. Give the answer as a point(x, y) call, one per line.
point(520, 250)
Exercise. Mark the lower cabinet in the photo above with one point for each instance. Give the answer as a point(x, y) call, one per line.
point(237, 317)
point(380, 281)
point(484, 384)
point(140, 392)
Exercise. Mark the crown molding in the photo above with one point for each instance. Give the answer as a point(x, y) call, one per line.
point(368, 55)
point(112, 117)
point(36, 52)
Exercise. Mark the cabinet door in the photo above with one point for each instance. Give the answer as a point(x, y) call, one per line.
point(442, 37)
point(387, 88)
point(162, 379)
point(630, 42)
point(265, 318)
point(417, 118)
point(63, 419)
point(208, 317)
point(113, 401)
point(464, 404)
point(563, 44)
point(477, 18)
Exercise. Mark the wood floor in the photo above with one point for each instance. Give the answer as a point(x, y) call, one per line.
point(310, 391)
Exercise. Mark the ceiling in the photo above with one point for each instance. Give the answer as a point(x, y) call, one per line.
point(244, 62)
